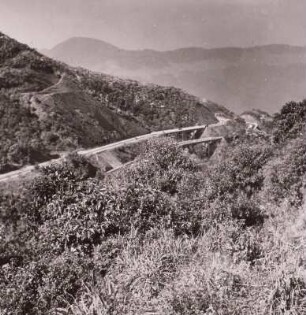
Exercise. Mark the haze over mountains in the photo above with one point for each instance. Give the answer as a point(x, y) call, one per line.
point(263, 77)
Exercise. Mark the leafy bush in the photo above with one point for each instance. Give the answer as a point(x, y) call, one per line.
point(160, 236)
point(285, 175)
point(290, 122)
point(20, 134)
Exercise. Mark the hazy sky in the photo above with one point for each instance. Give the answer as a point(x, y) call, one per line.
point(158, 24)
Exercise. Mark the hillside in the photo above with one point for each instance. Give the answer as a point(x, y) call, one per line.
point(164, 236)
point(48, 107)
point(263, 77)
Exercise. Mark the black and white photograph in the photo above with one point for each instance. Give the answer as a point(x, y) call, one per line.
point(152, 157)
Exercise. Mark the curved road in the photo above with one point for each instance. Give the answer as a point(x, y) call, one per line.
point(28, 169)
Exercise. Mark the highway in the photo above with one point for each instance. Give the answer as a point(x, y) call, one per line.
point(28, 169)
point(137, 139)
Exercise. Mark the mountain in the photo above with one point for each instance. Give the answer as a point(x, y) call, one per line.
point(263, 77)
point(47, 107)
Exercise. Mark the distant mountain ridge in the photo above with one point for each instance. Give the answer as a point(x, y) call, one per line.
point(263, 77)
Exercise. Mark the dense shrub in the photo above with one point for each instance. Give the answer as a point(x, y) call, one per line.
point(285, 175)
point(20, 134)
point(162, 165)
point(290, 122)
point(160, 236)
point(164, 168)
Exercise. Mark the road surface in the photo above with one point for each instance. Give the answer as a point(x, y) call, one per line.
point(28, 169)
point(137, 139)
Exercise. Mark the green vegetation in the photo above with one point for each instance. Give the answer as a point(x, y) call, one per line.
point(290, 122)
point(47, 106)
point(162, 236)
point(20, 136)
point(155, 107)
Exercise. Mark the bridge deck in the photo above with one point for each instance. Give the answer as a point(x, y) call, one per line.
point(177, 130)
point(137, 139)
